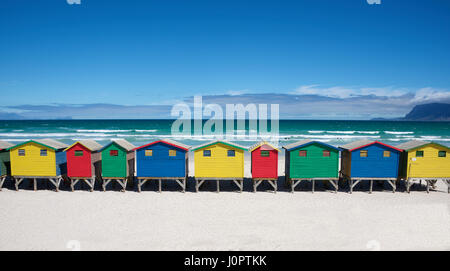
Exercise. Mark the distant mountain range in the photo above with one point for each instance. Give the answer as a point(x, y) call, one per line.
point(427, 112)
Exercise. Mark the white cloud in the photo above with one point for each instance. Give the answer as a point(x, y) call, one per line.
point(348, 92)
point(430, 95)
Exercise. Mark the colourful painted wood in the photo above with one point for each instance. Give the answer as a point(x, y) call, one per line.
point(370, 160)
point(425, 160)
point(38, 158)
point(264, 161)
point(162, 158)
point(118, 159)
point(84, 159)
point(219, 159)
point(309, 159)
point(5, 160)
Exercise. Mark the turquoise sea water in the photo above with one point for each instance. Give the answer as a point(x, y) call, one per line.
point(144, 131)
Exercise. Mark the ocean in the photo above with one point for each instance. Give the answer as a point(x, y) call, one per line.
point(139, 132)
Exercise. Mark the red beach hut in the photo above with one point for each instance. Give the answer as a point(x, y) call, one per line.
point(264, 164)
point(84, 162)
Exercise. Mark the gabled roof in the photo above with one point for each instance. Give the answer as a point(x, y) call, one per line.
point(168, 142)
point(48, 143)
point(220, 142)
point(127, 146)
point(263, 143)
point(307, 142)
point(91, 145)
point(5, 145)
point(415, 144)
point(365, 143)
point(412, 144)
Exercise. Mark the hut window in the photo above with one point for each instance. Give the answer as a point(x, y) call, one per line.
point(363, 153)
point(114, 153)
point(302, 153)
point(172, 153)
point(231, 153)
point(442, 154)
point(386, 154)
point(419, 153)
point(265, 153)
point(21, 152)
point(79, 153)
point(326, 153)
point(207, 153)
point(43, 152)
point(148, 152)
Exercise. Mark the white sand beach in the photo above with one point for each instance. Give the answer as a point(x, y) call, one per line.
point(46, 220)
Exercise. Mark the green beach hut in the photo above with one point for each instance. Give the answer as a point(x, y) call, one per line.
point(5, 162)
point(117, 162)
point(309, 160)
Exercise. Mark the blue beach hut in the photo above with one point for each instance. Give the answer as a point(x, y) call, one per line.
point(370, 160)
point(162, 160)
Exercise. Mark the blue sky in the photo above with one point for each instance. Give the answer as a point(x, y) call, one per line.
point(140, 57)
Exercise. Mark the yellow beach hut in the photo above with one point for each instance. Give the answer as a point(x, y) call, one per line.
point(38, 159)
point(428, 161)
point(219, 160)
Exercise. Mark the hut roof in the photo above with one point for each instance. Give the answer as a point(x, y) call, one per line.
point(5, 145)
point(91, 145)
point(127, 146)
point(168, 142)
point(414, 144)
point(306, 142)
point(261, 144)
point(364, 143)
point(49, 143)
point(220, 142)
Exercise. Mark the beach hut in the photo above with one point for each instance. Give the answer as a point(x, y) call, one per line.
point(39, 159)
point(264, 164)
point(428, 161)
point(162, 160)
point(370, 160)
point(219, 160)
point(117, 162)
point(84, 162)
point(309, 160)
point(5, 163)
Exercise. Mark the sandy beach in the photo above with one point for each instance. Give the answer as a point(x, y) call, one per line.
point(46, 220)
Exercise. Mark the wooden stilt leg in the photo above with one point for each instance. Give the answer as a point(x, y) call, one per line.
point(17, 184)
point(159, 185)
point(2, 180)
point(184, 185)
point(104, 185)
point(292, 186)
point(351, 186)
point(254, 186)
point(139, 185)
point(428, 186)
point(276, 186)
point(196, 185)
point(313, 185)
point(35, 184)
point(408, 187)
point(218, 186)
point(371, 187)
